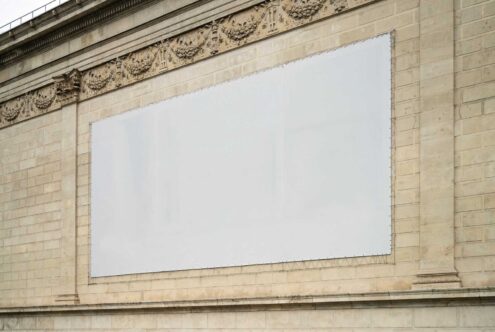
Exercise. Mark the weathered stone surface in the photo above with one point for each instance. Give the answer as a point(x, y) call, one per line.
point(443, 164)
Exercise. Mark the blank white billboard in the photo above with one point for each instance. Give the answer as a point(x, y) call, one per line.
point(288, 164)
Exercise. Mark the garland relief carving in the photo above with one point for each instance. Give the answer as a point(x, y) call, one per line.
point(219, 36)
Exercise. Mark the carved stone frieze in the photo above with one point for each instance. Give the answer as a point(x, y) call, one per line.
point(118, 72)
point(273, 17)
point(301, 9)
point(98, 78)
point(238, 27)
point(186, 47)
point(44, 97)
point(29, 105)
point(11, 110)
point(163, 52)
point(140, 62)
point(216, 37)
point(67, 86)
point(339, 5)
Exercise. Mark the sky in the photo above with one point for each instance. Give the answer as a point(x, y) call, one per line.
point(13, 9)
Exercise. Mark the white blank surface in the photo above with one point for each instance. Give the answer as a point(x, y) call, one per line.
point(288, 164)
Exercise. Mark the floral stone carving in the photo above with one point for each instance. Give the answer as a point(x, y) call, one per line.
point(301, 9)
point(44, 97)
point(98, 78)
point(187, 46)
point(238, 27)
point(139, 62)
point(67, 86)
point(10, 111)
point(215, 37)
point(339, 5)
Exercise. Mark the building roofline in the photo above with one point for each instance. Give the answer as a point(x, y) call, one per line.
point(30, 16)
point(60, 15)
point(54, 27)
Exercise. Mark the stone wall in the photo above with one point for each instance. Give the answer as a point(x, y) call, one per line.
point(30, 218)
point(443, 128)
point(384, 273)
point(475, 142)
point(463, 318)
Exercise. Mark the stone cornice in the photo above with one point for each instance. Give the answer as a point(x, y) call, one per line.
point(434, 297)
point(269, 18)
point(100, 13)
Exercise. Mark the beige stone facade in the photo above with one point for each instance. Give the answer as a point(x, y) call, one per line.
point(128, 54)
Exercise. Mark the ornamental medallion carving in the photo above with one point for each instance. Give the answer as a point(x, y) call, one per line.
point(301, 9)
point(44, 97)
point(98, 78)
point(338, 5)
point(186, 47)
point(140, 62)
point(11, 110)
point(240, 26)
point(67, 86)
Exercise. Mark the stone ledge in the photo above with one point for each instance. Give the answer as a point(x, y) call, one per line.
point(450, 297)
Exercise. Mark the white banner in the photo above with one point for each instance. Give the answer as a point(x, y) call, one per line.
point(288, 164)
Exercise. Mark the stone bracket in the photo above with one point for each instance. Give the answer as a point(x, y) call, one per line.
point(67, 87)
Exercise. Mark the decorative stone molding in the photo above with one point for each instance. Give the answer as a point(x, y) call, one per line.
point(219, 36)
point(238, 27)
point(67, 87)
point(43, 98)
point(300, 9)
point(187, 46)
point(96, 79)
point(392, 299)
point(339, 5)
point(140, 62)
point(10, 111)
point(108, 12)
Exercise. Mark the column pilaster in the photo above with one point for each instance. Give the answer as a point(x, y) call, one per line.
point(437, 238)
